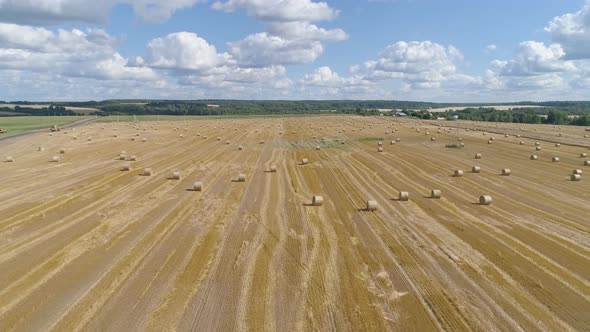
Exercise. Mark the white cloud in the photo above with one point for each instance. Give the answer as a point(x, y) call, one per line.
point(304, 31)
point(69, 53)
point(419, 64)
point(534, 58)
point(572, 32)
point(50, 12)
point(183, 50)
point(490, 48)
point(263, 49)
point(280, 10)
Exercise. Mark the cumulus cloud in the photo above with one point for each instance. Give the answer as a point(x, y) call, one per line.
point(490, 48)
point(51, 12)
point(89, 53)
point(280, 10)
point(534, 58)
point(572, 32)
point(182, 50)
point(419, 64)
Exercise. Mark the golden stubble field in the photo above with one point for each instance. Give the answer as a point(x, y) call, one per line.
point(85, 245)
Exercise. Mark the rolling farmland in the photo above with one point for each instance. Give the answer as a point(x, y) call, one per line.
point(86, 245)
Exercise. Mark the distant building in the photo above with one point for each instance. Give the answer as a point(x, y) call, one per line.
point(213, 105)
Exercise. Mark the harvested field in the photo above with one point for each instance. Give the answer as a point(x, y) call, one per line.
point(86, 246)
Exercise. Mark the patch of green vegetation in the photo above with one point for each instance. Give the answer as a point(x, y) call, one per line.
point(20, 124)
point(370, 139)
point(454, 146)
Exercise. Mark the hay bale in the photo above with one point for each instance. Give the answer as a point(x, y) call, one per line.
point(133, 158)
point(586, 162)
point(576, 177)
point(583, 155)
point(126, 167)
point(317, 147)
point(40, 149)
point(148, 172)
point(242, 178)
point(380, 149)
point(534, 157)
point(403, 196)
point(197, 186)
point(62, 151)
point(9, 159)
point(122, 156)
point(577, 171)
point(555, 159)
point(392, 143)
point(538, 148)
point(144, 139)
point(433, 139)
point(240, 148)
point(55, 159)
point(176, 175)
point(261, 142)
point(304, 161)
point(506, 172)
point(372, 205)
point(478, 156)
point(435, 193)
point(273, 168)
point(490, 142)
point(521, 143)
point(557, 145)
point(379, 143)
point(475, 169)
point(485, 200)
point(317, 200)
point(458, 173)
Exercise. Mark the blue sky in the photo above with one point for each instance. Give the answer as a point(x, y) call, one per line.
point(463, 51)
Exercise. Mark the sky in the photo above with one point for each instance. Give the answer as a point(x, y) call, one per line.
point(423, 50)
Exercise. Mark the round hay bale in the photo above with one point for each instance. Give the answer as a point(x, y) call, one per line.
point(144, 139)
point(55, 159)
point(478, 156)
point(505, 135)
point(485, 200)
point(372, 205)
point(9, 159)
point(261, 142)
point(240, 148)
point(398, 140)
point(380, 149)
point(379, 143)
point(126, 167)
point(122, 156)
point(460, 139)
point(555, 159)
point(317, 147)
point(586, 162)
point(576, 177)
point(521, 143)
point(133, 158)
point(491, 138)
point(317, 200)
point(62, 151)
point(458, 173)
point(435, 193)
point(534, 157)
point(133, 139)
point(577, 171)
point(462, 144)
point(538, 148)
point(304, 161)
point(181, 136)
point(176, 175)
point(583, 155)
point(40, 149)
point(273, 168)
point(403, 196)
point(433, 139)
point(242, 178)
point(506, 172)
point(557, 145)
point(148, 172)
point(197, 186)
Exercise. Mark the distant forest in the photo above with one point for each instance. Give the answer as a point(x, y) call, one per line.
point(553, 112)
